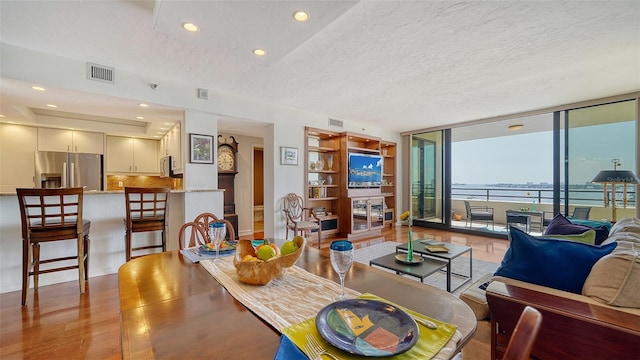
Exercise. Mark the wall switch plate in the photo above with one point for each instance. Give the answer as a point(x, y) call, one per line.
point(120, 184)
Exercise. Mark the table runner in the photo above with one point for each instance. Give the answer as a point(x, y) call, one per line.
point(308, 294)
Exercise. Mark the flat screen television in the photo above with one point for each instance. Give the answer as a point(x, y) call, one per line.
point(365, 170)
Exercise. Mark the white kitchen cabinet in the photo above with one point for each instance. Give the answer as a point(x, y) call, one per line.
point(18, 145)
point(171, 145)
point(145, 155)
point(131, 155)
point(174, 146)
point(70, 141)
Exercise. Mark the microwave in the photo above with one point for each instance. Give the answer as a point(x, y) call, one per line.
point(165, 167)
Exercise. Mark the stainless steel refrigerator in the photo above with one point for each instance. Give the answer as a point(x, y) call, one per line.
point(60, 169)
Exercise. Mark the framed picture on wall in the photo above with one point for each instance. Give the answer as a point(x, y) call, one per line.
point(288, 155)
point(201, 148)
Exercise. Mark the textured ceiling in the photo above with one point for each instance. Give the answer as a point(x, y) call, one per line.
point(399, 64)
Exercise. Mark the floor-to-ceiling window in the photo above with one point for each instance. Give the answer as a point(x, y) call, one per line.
point(596, 136)
point(540, 164)
point(504, 166)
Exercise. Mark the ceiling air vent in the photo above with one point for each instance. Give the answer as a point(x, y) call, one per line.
point(100, 73)
point(203, 94)
point(334, 122)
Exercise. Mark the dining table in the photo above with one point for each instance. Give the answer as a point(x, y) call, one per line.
point(173, 308)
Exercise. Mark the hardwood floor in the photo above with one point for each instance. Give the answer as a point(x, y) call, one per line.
point(57, 323)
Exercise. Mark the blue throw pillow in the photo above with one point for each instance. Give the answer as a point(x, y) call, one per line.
point(560, 225)
point(558, 264)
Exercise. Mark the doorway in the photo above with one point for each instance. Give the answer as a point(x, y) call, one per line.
point(258, 190)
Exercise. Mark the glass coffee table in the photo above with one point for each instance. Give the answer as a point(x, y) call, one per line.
point(455, 251)
point(420, 270)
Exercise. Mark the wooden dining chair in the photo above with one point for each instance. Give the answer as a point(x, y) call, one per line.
point(207, 218)
point(192, 234)
point(299, 218)
point(146, 211)
point(52, 215)
point(524, 335)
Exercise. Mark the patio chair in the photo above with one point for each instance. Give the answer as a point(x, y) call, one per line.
point(481, 213)
point(581, 212)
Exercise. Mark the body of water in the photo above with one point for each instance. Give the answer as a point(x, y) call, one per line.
point(582, 196)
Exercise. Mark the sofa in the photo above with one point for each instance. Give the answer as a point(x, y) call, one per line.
point(592, 308)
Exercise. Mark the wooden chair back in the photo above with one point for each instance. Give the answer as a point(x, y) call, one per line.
point(51, 214)
point(294, 208)
point(524, 335)
point(192, 234)
point(299, 218)
point(147, 208)
point(207, 218)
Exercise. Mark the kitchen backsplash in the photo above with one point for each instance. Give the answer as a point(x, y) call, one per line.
point(118, 182)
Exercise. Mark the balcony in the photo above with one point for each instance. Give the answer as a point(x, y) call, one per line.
point(503, 198)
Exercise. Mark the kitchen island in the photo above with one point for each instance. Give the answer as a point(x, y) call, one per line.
point(106, 210)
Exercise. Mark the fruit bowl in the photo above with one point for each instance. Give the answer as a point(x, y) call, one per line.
point(262, 272)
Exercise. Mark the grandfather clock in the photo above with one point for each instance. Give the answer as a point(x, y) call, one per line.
point(227, 170)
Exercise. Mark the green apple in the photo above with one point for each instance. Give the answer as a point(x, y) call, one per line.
point(266, 252)
point(288, 247)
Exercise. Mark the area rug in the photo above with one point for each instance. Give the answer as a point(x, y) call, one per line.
point(439, 279)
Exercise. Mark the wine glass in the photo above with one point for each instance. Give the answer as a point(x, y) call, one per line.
point(218, 232)
point(341, 252)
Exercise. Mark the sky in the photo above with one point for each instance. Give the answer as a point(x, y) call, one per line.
point(524, 158)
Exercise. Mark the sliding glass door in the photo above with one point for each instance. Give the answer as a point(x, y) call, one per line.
point(427, 177)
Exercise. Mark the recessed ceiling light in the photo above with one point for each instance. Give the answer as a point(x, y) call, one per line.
point(140, 117)
point(52, 105)
point(2, 115)
point(301, 16)
point(168, 123)
point(163, 128)
point(516, 127)
point(38, 88)
point(190, 27)
point(143, 105)
point(259, 52)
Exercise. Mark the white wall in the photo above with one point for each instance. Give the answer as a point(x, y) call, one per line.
point(284, 126)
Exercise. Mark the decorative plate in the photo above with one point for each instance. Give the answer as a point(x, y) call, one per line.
point(224, 248)
point(402, 259)
point(367, 327)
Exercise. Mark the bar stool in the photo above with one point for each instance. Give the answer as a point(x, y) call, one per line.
point(52, 215)
point(146, 211)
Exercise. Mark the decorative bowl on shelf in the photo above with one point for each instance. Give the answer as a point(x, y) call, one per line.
point(262, 272)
